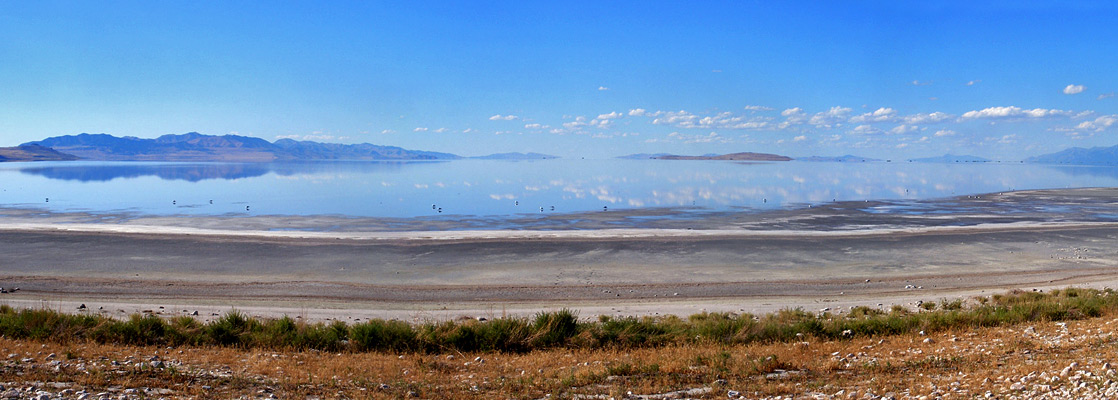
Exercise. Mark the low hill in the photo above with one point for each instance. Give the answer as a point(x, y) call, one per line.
point(729, 157)
point(31, 152)
point(1079, 156)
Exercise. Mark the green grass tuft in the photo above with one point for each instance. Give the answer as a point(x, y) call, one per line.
point(556, 329)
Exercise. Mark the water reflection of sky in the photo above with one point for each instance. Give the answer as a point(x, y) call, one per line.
point(494, 188)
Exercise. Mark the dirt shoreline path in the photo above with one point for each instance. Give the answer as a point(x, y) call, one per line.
point(118, 269)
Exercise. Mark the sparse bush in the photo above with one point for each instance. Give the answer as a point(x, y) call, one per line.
point(554, 329)
point(231, 329)
point(952, 305)
point(384, 335)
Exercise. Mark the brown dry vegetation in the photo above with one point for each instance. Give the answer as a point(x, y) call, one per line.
point(1023, 360)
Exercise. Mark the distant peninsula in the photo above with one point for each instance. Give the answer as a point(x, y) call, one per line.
point(643, 156)
point(846, 158)
point(31, 152)
point(194, 146)
point(1079, 156)
point(728, 157)
point(951, 158)
point(516, 156)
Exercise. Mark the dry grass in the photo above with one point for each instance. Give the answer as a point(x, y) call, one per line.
point(955, 363)
point(898, 364)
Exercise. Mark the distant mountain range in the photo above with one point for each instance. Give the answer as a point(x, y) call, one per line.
point(728, 157)
point(31, 152)
point(1079, 156)
point(194, 146)
point(950, 158)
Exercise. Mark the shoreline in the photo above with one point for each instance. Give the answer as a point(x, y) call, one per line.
point(353, 310)
point(634, 271)
point(473, 235)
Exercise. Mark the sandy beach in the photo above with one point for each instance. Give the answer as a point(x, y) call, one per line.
point(832, 257)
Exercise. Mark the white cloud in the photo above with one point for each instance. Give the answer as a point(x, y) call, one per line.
point(903, 129)
point(792, 117)
point(535, 126)
point(974, 82)
point(758, 108)
point(467, 130)
point(577, 124)
point(611, 115)
point(601, 123)
point(830, 118)
point(1074, 89)
point(945, 132)
point(317, 136)
point(1105, 96)
point(712, 137)
point(673, 117)
point(603, 88)
point(420, 129)
point(1008, 139)
point(1099, 124)
point(921, 118)
point(918, 83)
point(882, 114)
point(608, 135)
point(799, 138)
point(1014, 112)
point(440, 130)
point(865, 130)
point(500, 117)
point(792, 112)
point(387, 131)
point(722, 120)
point(637, 112)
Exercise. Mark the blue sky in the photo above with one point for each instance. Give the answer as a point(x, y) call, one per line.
point(1004, 80)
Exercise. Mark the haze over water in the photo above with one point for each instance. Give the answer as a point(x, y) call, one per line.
point(482, 188)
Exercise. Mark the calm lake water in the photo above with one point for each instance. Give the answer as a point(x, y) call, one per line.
point(503, 188)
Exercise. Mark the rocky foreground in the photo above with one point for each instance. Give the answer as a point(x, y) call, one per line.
point(1047, 360)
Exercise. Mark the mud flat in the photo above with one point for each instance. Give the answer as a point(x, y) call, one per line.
point(617, 263)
